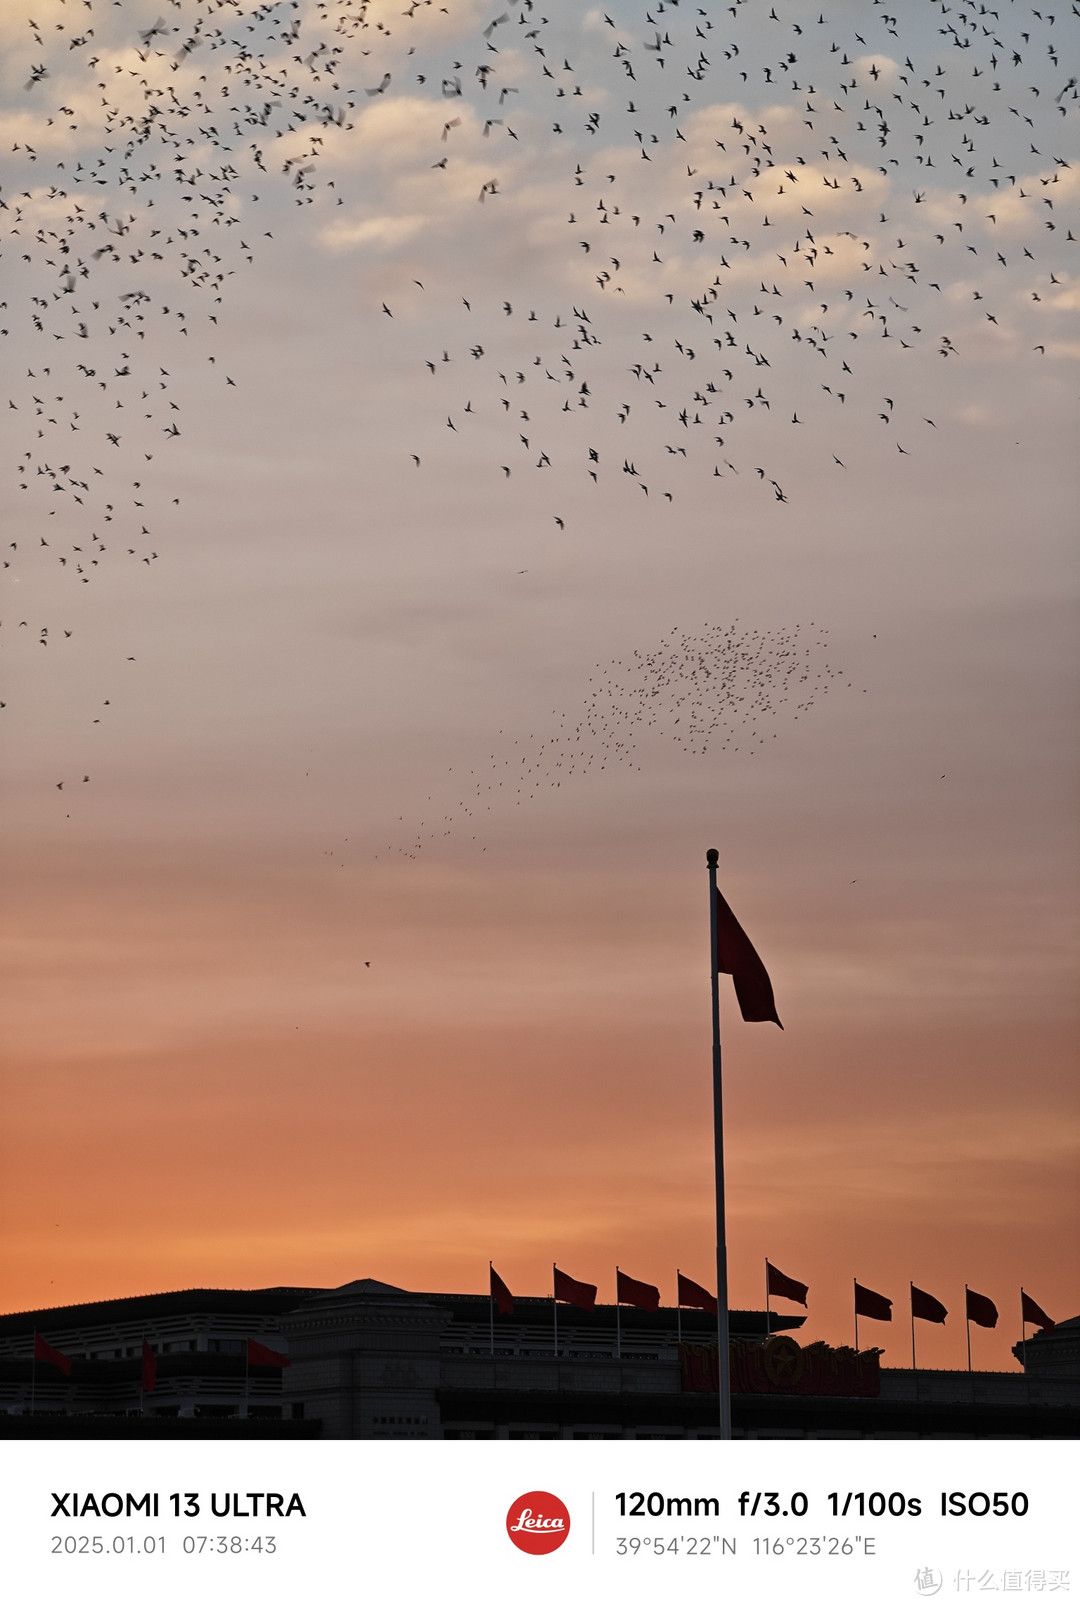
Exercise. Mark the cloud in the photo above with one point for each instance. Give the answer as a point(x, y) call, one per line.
point(383, 232)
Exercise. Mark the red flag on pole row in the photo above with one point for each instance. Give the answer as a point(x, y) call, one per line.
point(736, 957)
point(43, 1351)
point(628, 1291)
point(693, 1295)
point(926, 1307)
point(148, 1377)
point(980, 1310)
point(571, 1292)
point(876, 1306)
point(1030, 1312)
point(259, 1355)
point(786, 1287)
point(504, 1299)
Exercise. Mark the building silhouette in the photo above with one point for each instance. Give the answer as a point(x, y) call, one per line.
point(372, 1361)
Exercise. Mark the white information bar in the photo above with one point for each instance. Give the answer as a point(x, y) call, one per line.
point(877, 1522)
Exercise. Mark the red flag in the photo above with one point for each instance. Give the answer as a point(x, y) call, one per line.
point(148, 1379)
point(1030, 1312)
point(504, 1299)
point(43, 1351)
point(981, 1310)
point(259, 1355)
point(876, 1306)
point(574, 1293)
point(692, 1294)
point(786, 1287)
point(628, 1291)
point(736, 957)
point(926, 1307)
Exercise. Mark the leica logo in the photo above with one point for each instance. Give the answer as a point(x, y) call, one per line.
point(527, 1520)
point(538, 1522)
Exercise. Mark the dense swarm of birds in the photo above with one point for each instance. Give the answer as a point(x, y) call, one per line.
point(723, 686)
point(743, 214)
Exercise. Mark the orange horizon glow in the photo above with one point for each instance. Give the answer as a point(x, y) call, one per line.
point(518, 1116)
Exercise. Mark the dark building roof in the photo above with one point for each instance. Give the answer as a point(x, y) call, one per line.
point(532, 1312)
point(182, 1302)
point(462, 1307)
point(1053, 1352)
point(538, 1312)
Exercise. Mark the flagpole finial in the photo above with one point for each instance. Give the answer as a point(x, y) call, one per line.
point(712, 858)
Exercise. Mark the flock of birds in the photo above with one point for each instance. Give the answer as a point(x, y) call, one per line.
point(722, 686)
point(749, 214)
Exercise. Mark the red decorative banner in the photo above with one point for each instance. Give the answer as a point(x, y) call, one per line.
point(780, 1366)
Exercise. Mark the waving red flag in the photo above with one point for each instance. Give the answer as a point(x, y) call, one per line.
point(259, 1355)
point(628, 1291)
point(926, 1307)
point(571, 1292)
point(1030, 1312)
point(148, 1377)
point(504, 1299)
point(979, 1309)
point(786, 1287)
point(736, 957)
point(876, 1306)
point(692, 1294)
point(43, 1351)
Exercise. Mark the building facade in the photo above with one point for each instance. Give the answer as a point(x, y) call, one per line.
point(198, 1336)
point(371, 1361)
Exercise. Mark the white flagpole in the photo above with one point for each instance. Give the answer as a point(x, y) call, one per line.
point(723, 1357)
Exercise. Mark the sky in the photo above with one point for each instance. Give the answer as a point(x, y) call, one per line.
point(460, 465)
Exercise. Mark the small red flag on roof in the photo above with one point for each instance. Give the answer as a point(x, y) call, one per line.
point(504, 1299)
point(43, 1351)
point(979, 1309)
point(571, 1292)
point(692, 1294)
point(1030, 1312)
point(259, 1355)
point(786, 1287)
point(628, 1291)
point(737, 957)
point(926, 1307)
point(876, 1306)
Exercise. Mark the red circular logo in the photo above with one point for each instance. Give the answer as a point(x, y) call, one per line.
point(538, 1522)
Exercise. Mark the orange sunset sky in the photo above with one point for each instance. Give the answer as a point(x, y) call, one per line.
point(376, 941)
